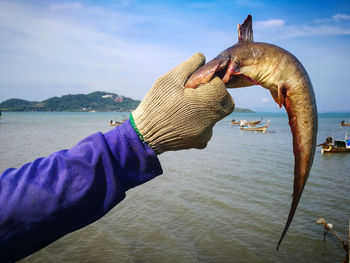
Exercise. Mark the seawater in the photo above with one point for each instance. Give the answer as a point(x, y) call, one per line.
point(226, 203)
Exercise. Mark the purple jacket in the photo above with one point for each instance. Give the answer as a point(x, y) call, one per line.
point(50, 197)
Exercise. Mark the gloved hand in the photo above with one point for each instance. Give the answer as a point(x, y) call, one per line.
point(171, 117)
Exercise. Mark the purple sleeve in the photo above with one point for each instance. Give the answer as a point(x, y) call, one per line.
point(50, 197)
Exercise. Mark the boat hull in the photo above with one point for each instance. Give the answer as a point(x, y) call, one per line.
point(334, 149)
point(258, 129)
point(254, 128)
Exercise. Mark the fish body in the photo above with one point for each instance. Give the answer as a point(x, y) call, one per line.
point(250, 63)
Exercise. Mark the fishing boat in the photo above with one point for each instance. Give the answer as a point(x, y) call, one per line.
point(235, 122)
point(256, 128)
point(116, 123)
point(335, 146)
point(343, 123)
point(243, 123)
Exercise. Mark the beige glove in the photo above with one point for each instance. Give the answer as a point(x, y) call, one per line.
point(171, 117)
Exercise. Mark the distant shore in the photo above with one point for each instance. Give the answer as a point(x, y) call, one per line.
point(98, 101)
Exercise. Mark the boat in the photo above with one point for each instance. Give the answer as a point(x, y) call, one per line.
point(235, 122)
point(256, 128)
point(245, 122)
point(335, 146)
point(249, 123)
point(116, 123)
point(343, 123)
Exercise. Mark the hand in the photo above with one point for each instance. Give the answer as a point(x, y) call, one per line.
point(171, 117)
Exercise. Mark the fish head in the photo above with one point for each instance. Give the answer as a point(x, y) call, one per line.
point(236, 66)
point(231, 64)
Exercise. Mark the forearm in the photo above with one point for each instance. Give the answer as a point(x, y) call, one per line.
point(50, 197)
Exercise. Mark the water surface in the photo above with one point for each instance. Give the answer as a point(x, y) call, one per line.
point(226, 203)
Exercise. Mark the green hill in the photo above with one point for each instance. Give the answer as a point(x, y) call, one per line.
point(96, 101)
point(16, 105)
point(242, 110)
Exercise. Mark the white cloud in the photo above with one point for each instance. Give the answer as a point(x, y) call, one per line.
point(275, 29)
point(65, 6)
point(272, 23)
point(49, 49)
point(265, 99)
point(308, 31)
point(56, 50)
point(341, 17)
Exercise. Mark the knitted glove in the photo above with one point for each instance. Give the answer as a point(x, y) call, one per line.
point(171, 117)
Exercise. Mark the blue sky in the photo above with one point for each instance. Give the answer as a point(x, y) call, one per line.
point(52, 48)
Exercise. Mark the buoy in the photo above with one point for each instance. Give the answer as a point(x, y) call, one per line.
point(328, 227)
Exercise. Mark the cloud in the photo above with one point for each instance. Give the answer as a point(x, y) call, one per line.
point(54, 49)
point(341, 17)
point(309, 31)
point(51, 48)
point(265, 99)
point(276, 29)
point(272, 23)
point(65, 6)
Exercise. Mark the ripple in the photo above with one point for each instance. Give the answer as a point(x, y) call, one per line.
point(226, 203)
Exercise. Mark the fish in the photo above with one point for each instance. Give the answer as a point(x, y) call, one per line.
point(250, 63)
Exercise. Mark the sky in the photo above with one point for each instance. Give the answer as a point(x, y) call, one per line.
point(53, 48)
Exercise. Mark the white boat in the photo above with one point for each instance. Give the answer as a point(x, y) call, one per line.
point(256, 128)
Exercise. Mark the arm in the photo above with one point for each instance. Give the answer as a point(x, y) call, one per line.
point(50, 197)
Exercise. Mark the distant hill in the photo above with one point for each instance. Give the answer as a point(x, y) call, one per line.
point(242, 110)
point(95, 101)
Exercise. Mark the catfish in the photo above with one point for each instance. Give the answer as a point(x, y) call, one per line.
point(250, 63)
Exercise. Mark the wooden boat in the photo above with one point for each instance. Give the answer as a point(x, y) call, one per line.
point(253, 122)
point(116, 123)
point(255, 128)
point(343, 123)
point(235, 122)
point(245, 122)
point(249, 123)
point(335, 146)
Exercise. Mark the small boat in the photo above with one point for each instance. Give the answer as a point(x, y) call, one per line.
point(235, 122)
point(245, 122)
point(335, 146)
point(343, 123)
point(256, 128)
point(116, 123)
point(249, 123)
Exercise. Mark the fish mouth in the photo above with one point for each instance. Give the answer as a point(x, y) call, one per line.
point(221, 72)
point(226, 68)
point(216, 67)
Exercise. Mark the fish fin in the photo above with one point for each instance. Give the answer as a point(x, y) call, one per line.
point(282, 91)
point(245, 31)
point(279, 95)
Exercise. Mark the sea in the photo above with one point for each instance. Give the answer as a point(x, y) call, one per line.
point(226, 203)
